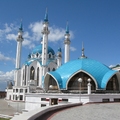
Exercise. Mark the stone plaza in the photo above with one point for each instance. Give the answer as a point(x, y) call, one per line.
point(102, 111)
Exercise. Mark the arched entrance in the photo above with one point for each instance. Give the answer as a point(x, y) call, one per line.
point(74, 85)
point(113, 84)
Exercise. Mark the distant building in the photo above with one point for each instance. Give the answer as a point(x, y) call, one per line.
point(2, 94)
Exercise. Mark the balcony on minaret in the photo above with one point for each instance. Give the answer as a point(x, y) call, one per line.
point(67, 41)
point(45, 29)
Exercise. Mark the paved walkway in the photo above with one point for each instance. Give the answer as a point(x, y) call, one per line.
point(105, 111)
point(5, 108)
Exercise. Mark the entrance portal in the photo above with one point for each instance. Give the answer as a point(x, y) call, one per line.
point(54, 101)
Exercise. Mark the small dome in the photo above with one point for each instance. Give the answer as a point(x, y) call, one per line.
point(38, 49)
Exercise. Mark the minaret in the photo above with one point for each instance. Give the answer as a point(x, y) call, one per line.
point(19, 45)
point(18, 56)
point(45, 33)
point(67, 44)
point(59, 57)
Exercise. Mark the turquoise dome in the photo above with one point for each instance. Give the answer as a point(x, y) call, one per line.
point(38, 49)
point(98, 71)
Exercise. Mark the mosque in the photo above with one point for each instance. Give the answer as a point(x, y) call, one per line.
point(43, 72)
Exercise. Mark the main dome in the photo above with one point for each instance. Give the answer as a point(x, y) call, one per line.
point(38, 49)
point(98, 71)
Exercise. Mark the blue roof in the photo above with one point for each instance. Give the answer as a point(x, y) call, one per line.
point(21, 28)
point(46, 17)
point(30, 61)
point(98, 71)
point(38, 49)
point(67, 29)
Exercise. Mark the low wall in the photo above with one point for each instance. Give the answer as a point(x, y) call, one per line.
point(39, 113)
point(33, 101)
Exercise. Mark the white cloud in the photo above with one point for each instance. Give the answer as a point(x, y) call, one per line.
point(4, 58)
point(11, 36)
point(72, 48)
point(36, 29)
point(28, 43)
point(6, 76)
point(33, 34)
point(56, 33)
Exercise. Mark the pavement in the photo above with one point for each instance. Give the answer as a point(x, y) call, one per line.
point(99, 111)
point(6, 109)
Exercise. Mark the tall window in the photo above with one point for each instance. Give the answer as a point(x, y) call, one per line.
point(32, 73)
point(37, 76)
point(23, 75)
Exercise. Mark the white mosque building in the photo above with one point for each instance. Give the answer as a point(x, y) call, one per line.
point(43, 73)
point(29, 77)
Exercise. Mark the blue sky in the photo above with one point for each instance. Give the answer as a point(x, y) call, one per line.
point(94, 22)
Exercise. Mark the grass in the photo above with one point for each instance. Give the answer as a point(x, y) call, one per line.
point(4, 119)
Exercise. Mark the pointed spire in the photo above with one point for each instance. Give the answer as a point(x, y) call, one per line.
point(46, 16)
point(21, 26)
point(67, 28)
point(83, 55)
point(59, 49)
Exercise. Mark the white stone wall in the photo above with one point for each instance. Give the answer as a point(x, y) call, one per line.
point(33, 101)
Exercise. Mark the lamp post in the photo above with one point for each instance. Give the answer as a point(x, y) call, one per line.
point(80, 81)
point(89, 86)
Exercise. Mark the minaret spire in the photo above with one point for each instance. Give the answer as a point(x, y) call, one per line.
point(67, 28)
point(67, 44)
point(21, 26)
point(46, 16)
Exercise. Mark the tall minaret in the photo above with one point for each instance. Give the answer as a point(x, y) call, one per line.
point(19, 45)
point(18, 56)
point(67, 44)
point(59, 57)
point(45, 33)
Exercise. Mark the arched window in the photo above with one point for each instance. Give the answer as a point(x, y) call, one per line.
point(73, 83)
point(49, 55)
point(38, 76)
point(48, 69)
point(37, 54)
point(32, 73)
point(113, 84)
point(53, 69)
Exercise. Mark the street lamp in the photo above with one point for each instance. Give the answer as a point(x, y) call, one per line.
point(80, 81)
